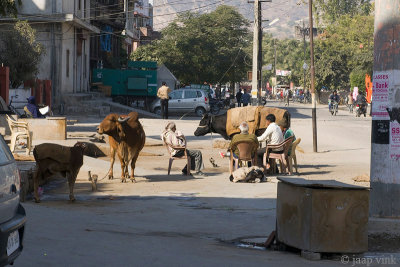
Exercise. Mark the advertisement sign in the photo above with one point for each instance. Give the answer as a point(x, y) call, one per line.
point(394, 140)
point(283, 72)
point(380, 96)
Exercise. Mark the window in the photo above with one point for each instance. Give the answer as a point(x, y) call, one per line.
point(190, 94)
point(199, 94)
point(67, 62)
point(176, 95)
point(79, 4)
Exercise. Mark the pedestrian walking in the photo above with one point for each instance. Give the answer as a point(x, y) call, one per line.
point(162, 93)
point(245, 98)
point(239, 98)
point(350, 102)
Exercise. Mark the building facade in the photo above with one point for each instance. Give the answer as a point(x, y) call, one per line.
point(64, 29)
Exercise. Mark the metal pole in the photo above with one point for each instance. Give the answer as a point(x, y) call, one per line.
point(256, 48)
point(385, 147)
point(314, 103)
point(304, 47)
point(259, 70)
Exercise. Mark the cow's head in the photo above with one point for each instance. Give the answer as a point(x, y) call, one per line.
point(81, 145)
point(112, 125)
point(204, 126)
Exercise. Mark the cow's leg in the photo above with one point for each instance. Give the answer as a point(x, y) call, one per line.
point(112, 160)
point(71, 182)
point(133, 163)
point(123, 168)
point(36, 176)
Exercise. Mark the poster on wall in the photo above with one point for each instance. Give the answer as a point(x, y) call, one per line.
point(394, 140)
point(380, 95)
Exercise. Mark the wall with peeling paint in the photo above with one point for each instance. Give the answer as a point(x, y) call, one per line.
point(385, 154)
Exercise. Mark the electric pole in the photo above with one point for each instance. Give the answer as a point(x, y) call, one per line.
point(385, 147)
point(257, 51)
point(314, 103)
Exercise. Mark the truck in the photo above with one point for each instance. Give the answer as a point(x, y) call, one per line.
point(137, 83)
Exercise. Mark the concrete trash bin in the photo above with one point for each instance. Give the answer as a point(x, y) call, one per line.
point(322, 216)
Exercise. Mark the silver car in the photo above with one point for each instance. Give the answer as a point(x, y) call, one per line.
point(185, 100)
point(12, 214)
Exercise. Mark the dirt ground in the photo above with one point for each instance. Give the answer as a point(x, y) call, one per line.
point(180, 220)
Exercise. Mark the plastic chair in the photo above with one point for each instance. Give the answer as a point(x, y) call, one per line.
point(172, 158)
point(292, 157)
point(282, 157)
point(247, 152)
point(19, 130)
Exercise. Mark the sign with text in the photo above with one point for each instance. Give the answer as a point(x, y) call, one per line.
point(394, 140)
point(283, 72)
point(380, 96)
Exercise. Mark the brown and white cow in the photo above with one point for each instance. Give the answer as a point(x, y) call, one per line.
point(127, 138)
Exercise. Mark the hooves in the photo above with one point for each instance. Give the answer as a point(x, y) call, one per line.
point(37, 200)
point(71, 198)
point(123, 180)
point(110, 177)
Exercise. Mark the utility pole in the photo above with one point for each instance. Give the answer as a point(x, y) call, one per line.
point(303, 31)
point(257, 51)
point(314, 103)
point(385, 147)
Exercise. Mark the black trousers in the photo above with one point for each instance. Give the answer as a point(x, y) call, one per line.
point(164, 108)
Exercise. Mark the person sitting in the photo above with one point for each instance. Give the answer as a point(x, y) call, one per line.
point(272, 135)
point(238, 138)
point(31, 109)
point(287, 132)
point(175, 138)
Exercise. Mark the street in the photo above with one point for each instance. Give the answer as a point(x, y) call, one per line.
point(178, 220)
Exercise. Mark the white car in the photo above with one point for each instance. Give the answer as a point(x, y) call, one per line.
point(12, 214)
point(185, 100)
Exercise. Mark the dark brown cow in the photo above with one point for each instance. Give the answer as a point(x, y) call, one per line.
point(127, 139)
point(52, 159)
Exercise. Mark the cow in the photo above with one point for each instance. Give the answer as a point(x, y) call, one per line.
point(52, 159)
point(217, 124)
point(126, 138)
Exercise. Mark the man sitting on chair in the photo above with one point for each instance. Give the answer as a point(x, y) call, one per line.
point(287, 132)
point(175, 138)
point(238, 138)
point(272, 135)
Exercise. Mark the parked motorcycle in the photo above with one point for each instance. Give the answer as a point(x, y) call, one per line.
point(216, 105)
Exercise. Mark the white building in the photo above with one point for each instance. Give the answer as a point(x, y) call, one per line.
point(63, 27)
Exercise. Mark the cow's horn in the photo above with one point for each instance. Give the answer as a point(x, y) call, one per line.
point(120, 119)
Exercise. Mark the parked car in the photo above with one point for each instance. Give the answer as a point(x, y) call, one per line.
point(12, 214)
point(185, 100)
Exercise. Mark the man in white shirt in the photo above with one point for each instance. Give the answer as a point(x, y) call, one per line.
point(272, 135)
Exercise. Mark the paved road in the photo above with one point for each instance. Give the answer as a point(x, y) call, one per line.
point(179, 221)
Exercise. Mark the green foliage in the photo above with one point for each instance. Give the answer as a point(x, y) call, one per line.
point(357, 79)
point(203, 47)
point(330, 11)
point(20, 51)
point(344, 46)
point(9, 7)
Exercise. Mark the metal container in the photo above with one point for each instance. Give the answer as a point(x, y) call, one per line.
point(322, 216)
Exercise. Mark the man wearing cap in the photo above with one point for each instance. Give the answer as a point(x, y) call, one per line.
point(175, 138)
point(162, 93)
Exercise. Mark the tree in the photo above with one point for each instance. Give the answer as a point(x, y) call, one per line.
point(330, 11)
point(202, 47)
point(20, 51)
point(9, 7)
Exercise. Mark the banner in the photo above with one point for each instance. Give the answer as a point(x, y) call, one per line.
point(283, 73)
